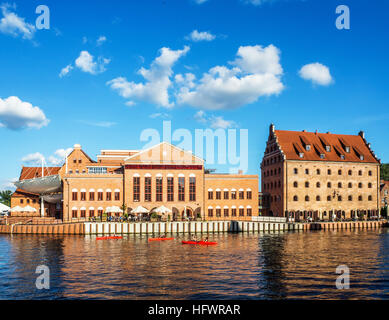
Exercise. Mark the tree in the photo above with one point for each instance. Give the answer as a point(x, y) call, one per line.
point(5, 197)
point(385, 171)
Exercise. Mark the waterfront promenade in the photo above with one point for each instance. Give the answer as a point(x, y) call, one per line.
point(182, 227)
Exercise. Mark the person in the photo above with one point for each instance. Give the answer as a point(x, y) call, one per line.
point(162, 236)
point(206, 239)
point(194, 238)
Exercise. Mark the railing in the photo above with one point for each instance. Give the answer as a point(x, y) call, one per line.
point(269, 219)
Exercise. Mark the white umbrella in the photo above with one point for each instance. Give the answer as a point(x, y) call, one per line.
point(162, 209)
point(29, 209)
point(114, 209)
point(17, 209)
point(139, 209)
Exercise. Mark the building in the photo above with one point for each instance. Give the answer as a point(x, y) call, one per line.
point(384, 194)
point(126, 179)
point(320, 175)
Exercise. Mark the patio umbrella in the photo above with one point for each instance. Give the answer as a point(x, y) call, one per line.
point(114, 209)
point(17, 209)
point(163, 210)
point(139, 209)
point(28, 209)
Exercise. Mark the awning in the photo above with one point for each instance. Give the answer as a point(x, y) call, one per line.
point(54, 198)
point(45, 185)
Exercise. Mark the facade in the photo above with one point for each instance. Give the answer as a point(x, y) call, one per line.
point(384, 190)
point(320, 175)
point(161, 175)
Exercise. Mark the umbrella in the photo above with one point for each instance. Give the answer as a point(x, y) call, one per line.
point(17, 209)
point(162, 209)
point(139, 209)
point(114, 209)
point(28, 209)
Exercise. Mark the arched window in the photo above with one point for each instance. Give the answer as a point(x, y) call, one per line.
point(339, 184)
point(339, 198)
point(360, 185)
point(318, 171)
point(306, 184)
point(306, 198)
point(108, 194)
point(318, 184)
point(295, 184)
point(329, 172)
point(74, 194)
point(340, 172)
point(83, 194)
point(329, 198)
point(359, 198)
point(350, 198)
point(369, 185)
point(350, 173)
point(295, 198)
point(318, 198)
point(210, 194)
point(370, 173)
point(360, 172)
point(249, 193)
point(91, 194)
point(370, 198)
point(328, 184)
point(91, 212)
point(295, 171)
point(117, 194)
point(350, 184)
point(306, 171)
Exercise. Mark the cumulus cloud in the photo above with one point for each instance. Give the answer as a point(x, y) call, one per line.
point(59, 156)
point(86, 63)
point(65, 70)
point(317, 73)
point(16, 114)
point(101, 40)
point(14, 25)
point(200, 36)
point(56, 159)
point(215, 122)
point(8, 184)
point(155, 88)
point(33, 158)
point(256, 72)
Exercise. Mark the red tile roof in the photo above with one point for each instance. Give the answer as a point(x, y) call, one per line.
point(23, 193)
point(292, 142)
point(36, 172)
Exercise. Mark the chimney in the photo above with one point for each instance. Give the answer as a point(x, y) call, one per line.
point(304, 130)
point(77, 146)
point(362, 134)
point(316, 132)
point(271, 128)
point(328, 132)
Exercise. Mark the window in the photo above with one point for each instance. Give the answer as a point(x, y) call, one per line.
point(77, 171)
point(136, 188)
point(369, 185)
point(295, 184)
point(83, 213)
point(218, 212)
point(329, 184)
point(91, 212)
point(339, 172)
point(226, 195)
point(108, 196)
point(359, 198)
point(308, 147)
point(97, 170)
point(210, 195)
point(301, 155)
point(91, 196)
point(181, 189)
point(100, 212)
point(360, 185)
point(241, 195)
point(339, 198)
point(249, 212)
point(233, 212)
point(350, 173)
point(192, 188)
point(241, 212)
point(28, 200)
point(233, 195)
point(295, 198)
point(350, 198)
point(322, 155)
point(248, 195)
point(370, 198)
point(117, 195)
point(226, 212)
point(148, 189)
point(218, 195)
point(79, 160)
point(74, 213)
point(170, 189)
point(306, 171)
point(100, 196)
point(74, 160)
point(329, 172)
point(306, 198)
point(318, 198)
point(317, 184)
point(318, 171)
point(74, 195)
point(295, 171)
point(306, 184)
point(210, 212)
point(370, 173)
point(347, 149)
point(360, 172)
point(328, 148)
point(329, 198)
point(339, 184)
point(158, 189)
point(83, 195)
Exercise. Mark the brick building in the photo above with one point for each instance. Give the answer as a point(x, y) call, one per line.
point(384, 193)
point(320, 175)
point(161, 175)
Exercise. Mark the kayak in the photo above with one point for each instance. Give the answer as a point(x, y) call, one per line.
point(160, 239)
point(203, 243)
point(109, 237)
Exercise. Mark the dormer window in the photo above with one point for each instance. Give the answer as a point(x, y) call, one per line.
point(342, 156)
point(301, 155)
point(347, 149)
point(328, 148)
point(308, 147)
point(322, 156)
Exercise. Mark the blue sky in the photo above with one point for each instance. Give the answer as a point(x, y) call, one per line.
point(260, 47)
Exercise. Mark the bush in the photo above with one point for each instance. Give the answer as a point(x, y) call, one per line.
point(154, 215)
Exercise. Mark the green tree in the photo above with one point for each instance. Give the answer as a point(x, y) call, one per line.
point(5, 197)
point(385, 171)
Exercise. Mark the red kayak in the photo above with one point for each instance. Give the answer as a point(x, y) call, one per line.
point(109, 237)
point(160, 239)
point(203, 243)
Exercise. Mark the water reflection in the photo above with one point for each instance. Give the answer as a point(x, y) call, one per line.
point(242, 266)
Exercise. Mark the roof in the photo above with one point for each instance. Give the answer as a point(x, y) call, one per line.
point(36, 172)
point(384, 184)
point(292, 142)
point(22, 193)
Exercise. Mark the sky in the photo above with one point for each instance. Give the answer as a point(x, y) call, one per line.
point(102, 72)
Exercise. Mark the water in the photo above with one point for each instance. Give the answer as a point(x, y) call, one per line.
point(243, 266)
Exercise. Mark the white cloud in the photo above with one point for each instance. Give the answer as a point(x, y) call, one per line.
point(317, 73)
point(130, 103)
point(186, 80)
point(14, 25)
point(8, 184)
point(87, 63)
point(200, 36)
point(101, 40)
point(155, 88)
point(34, 158)
point(58, 158)
point(65, 70)
point(213, 121)
point(256, 72)
point(16, 114)
point(161, 115)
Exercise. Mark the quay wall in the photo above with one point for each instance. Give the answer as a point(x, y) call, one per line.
point(181, 227)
